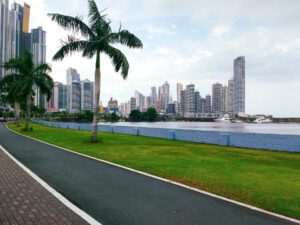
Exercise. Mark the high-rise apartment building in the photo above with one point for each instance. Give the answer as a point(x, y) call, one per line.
point(140, 100)
point(239, 85)
point(208, 104)
point(190, 108)
point(87, 95)
point(197, 102)
point(11, 32)
point(127, 108)
point(230, 96)
point(38, 45)
point(132, 104)
point(73, 90)
point(224, 98)
point(75, 97)
point(179, 88)
point(164, 96)
point(60, 96)
point(216, 98)
point(153, 97)
point(38, 49)
point(72, 75)
point(183, 102)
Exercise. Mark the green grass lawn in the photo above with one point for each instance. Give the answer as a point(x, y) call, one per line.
point(270, 180)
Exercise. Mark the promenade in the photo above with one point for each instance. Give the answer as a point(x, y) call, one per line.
point(111, 195)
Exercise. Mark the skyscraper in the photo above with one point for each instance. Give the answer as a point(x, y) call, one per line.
point(164, 95)
point(208, 104)
point(216, 98)
point(140, 100)
point(38, 45)
point(59, 96)
point(190, 101)
point(179, 88)
point(75, 97)
point(72, 75)
point(87, 95)
point(3, 33)
point(197, 102)
point(132, 104)
point(153, 97)
point(38, 49)
point(14, 36)
point(73, 90)
point(183, 102)
point(239, 85)
point(230, 96)
point(224, 94)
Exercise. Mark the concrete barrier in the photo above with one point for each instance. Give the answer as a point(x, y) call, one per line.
point(274, 142)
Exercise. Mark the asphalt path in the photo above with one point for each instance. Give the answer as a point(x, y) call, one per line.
point(115, 196)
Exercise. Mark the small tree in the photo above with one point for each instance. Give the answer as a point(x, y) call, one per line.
point(135, 116)
point(151, 114)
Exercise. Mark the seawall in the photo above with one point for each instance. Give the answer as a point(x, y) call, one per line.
point(274, 142)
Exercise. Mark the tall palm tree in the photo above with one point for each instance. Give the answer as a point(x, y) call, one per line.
point(26, 77)
point(98, 38)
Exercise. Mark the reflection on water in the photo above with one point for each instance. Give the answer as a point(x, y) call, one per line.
point(270, 128)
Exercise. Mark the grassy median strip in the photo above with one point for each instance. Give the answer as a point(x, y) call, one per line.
point(266, 179)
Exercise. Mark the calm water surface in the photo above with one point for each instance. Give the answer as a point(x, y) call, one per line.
point(270, 128)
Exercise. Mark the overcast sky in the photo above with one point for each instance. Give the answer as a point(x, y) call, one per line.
point(193, 41)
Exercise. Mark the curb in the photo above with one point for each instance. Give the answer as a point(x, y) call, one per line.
point(254, 208)
point(52, 191)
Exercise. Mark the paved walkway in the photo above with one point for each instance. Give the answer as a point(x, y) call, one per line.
point(115, 196)
point(24, 201)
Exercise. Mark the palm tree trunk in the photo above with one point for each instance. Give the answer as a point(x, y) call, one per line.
point(28, 104)
point(94, 135)
point(17, 113)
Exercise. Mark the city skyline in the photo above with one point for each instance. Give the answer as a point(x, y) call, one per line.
point(205, 54)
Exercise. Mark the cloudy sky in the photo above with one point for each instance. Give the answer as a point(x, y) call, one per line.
point(193, 41)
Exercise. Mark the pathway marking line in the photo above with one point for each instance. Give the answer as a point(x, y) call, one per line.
point(52, 191)
point(169, 181)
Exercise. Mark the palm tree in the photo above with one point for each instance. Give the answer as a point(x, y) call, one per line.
point(11, 95)
point(26, 77)
point(98, 38)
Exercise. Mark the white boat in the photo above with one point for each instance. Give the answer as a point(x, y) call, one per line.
point(225, 118)
point(236, 121)
point(262, 119)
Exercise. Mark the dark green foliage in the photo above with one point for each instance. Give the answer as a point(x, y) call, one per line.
point(135, 116)
point(19, 85)
point(150, 115)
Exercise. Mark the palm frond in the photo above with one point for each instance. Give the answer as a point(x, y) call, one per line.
point(45, 84)
point(124, 37)
point(98, 22)
point(93, 46)
point(74, 24)
point(70, 46)
point(8, 80)
point(119, 60)
point(42, 68)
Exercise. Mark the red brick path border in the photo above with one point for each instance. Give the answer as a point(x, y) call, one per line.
point(23, 201)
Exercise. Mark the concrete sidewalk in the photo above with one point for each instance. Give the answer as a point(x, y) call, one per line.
point(25, 201)
point(115, 196)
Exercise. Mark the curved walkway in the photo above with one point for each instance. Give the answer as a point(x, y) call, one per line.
point(115, 196)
